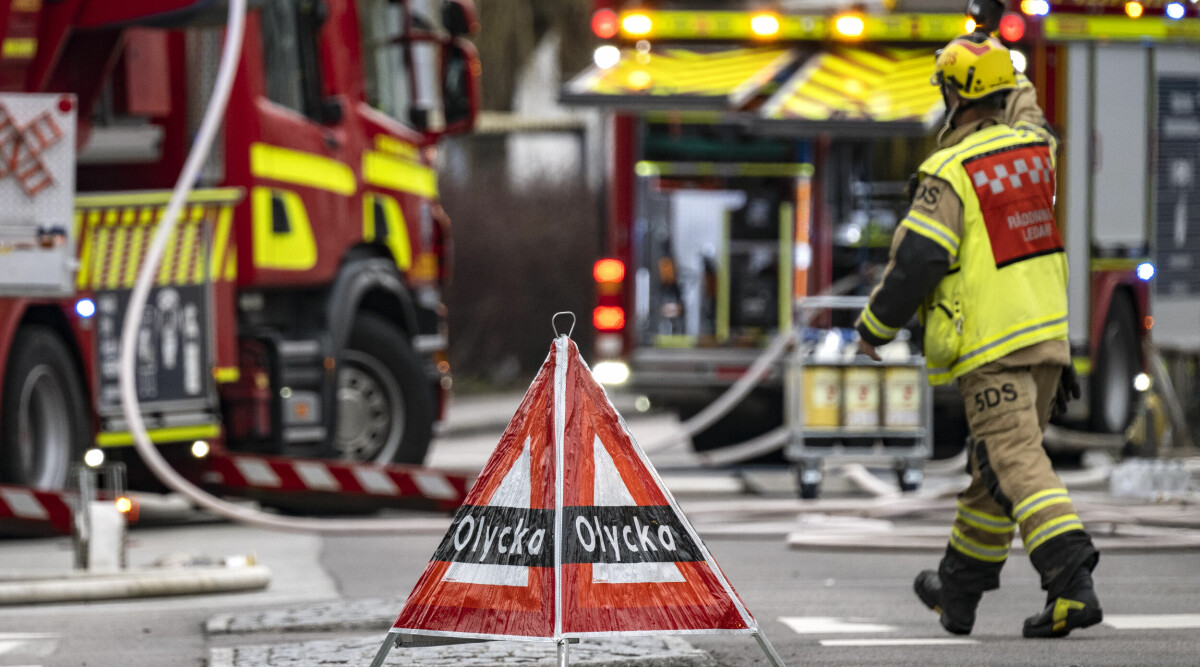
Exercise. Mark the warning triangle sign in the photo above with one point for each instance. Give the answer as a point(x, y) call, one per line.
point(569, 532)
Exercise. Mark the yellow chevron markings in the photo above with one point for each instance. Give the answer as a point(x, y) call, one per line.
point(114, 229)
point(684, 72)
point(860, 84)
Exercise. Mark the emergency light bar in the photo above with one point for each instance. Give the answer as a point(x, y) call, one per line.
point(747, 26)
point(1149, 21)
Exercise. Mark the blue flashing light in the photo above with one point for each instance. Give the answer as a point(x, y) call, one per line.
point(85, 307)
point(1145, 271)
point(1175, 10)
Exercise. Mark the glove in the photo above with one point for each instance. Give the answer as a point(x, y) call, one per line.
point(1068, 389)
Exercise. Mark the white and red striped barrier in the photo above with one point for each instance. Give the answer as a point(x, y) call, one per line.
point(29, 512)
point(317, 483)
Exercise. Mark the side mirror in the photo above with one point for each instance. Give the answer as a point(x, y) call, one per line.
point(459, 17)
point(460, 86)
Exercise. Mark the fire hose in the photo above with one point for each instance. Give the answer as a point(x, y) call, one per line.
point(751, 378)
point(235, 29)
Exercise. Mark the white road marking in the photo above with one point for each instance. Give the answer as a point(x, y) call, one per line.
point(898, 642)
point(820, 625)
point(1152, 621)
point(27, 643)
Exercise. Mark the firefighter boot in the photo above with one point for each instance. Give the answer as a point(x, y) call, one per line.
point(954, 590)
point(1071, 600)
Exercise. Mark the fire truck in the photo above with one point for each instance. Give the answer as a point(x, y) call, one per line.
point(297, 311)
point(758, 154)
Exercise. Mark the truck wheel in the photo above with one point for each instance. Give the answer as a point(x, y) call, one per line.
point(385, 410)
point(1119, 360)
point(44, 426)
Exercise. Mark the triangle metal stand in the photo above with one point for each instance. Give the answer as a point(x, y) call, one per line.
point(563, 646)
point(409, 638)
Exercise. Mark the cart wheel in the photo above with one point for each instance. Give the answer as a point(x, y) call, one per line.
point(909, 477)
point(808, 479)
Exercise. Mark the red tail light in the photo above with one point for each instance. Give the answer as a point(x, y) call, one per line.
point(604, 24)
point(1012, 27)
point(608, 318)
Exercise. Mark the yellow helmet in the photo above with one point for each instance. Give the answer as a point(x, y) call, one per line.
point(974, 68)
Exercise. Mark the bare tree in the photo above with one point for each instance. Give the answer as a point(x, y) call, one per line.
point(512, 30)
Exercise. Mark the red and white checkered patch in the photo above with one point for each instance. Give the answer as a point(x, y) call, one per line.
point(1015, 187)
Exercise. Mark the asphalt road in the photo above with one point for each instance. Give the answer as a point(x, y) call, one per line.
point(817, 606)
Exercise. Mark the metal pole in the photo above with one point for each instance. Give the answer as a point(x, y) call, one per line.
point(767, 649)
point(564, 650)
point(382, 654)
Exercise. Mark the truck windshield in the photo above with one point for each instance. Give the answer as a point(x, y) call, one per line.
point(388, 87)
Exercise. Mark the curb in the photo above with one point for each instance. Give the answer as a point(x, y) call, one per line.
point(655, 651)
point(87, 587)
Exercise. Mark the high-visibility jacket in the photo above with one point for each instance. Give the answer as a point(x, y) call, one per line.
point(1007, 284)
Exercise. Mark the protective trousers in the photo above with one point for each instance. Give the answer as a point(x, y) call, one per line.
point(1012, 484)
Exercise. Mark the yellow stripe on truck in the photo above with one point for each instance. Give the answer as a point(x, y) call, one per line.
point(300, 168)
point(292, 249)
point(397, 239)
point(396, 147)
point(385, 171)
point(168, 434)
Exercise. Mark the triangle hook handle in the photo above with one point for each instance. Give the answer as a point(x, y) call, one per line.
point(554, 323)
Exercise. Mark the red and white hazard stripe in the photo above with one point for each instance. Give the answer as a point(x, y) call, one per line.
point(26, 511)
point(280, 475)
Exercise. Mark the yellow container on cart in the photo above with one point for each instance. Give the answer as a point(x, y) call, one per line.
point(861, 389)
point(822, 396)
point(902, 397)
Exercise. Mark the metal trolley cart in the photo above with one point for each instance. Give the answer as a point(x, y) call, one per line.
point(854, 409)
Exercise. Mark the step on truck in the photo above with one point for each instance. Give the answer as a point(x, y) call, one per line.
point(298, 311)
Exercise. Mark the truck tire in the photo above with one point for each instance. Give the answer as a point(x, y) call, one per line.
point(44, 424)
point(1118, 362)
point(385, 407)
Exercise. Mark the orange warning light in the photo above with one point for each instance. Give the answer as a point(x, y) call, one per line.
point(608, 270)
point(608, 318)
point(637, 25)
point(764, 25)
point(1133, 9)
point(849, 25)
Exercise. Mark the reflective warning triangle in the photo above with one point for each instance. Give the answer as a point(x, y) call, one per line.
point(569, 532)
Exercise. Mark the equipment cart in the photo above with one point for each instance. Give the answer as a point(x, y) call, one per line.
point(845, 407)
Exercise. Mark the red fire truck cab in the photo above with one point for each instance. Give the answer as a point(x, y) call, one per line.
point(298, 308)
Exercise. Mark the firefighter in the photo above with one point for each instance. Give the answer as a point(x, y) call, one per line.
point(980, 256)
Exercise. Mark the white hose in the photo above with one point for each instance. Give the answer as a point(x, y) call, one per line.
point(760, 445)
point(129, 400)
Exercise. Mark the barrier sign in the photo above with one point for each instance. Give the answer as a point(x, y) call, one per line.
point(569, 533)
